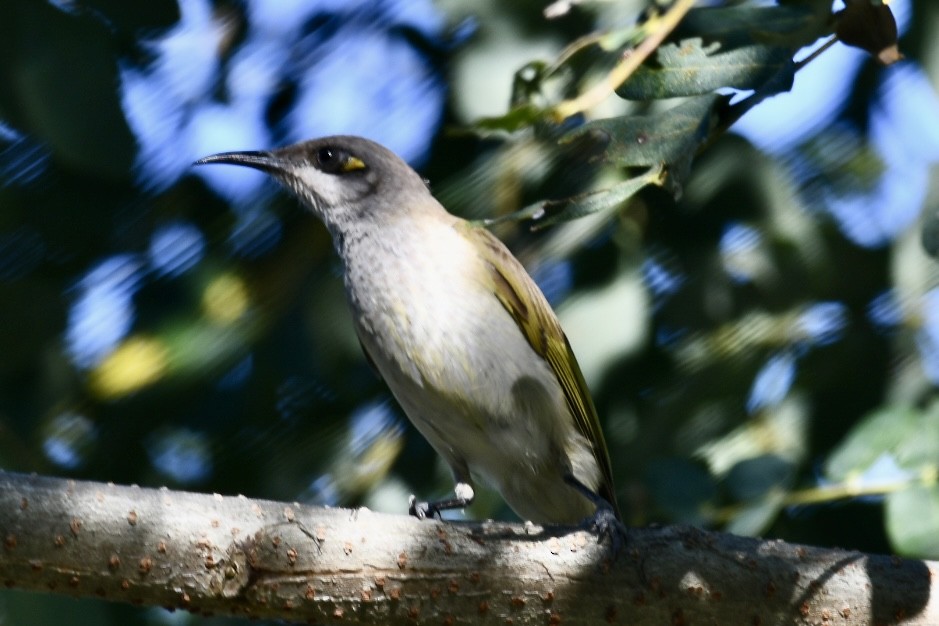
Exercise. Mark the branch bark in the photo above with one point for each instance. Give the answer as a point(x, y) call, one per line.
point(213, 554)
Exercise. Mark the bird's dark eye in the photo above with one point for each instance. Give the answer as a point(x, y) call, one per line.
point(337, 161)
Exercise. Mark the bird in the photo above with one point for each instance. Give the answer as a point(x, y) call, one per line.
point(460, 333)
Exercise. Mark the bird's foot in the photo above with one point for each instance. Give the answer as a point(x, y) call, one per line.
point(463, 497)
point(606, 525)
point(605, 522)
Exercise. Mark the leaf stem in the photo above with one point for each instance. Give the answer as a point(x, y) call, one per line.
point(816, 53)
point(841, 491)
point(624, 69)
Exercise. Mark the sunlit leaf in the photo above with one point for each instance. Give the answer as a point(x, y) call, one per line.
point(548, 212)
point(908, 436)
point(692, 67)
point(912, 520)
point(137, 363)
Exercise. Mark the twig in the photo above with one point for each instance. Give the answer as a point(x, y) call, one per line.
point(625, 68)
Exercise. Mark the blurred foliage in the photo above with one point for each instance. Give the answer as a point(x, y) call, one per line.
point(744, 273)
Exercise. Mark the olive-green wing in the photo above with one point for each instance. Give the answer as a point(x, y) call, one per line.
point(531, 311)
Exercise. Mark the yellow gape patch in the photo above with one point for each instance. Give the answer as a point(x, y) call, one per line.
point(352, 164)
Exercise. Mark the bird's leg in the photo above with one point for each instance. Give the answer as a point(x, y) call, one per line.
point(462, 497)
point(604, 522)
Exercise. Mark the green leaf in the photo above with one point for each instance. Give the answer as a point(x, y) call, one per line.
point(792, 26)
point(755, 478)
point(526, 84)
point(661, 138)
point(690, 68)
point(67, 100)
point(548, 212)
point(744, 47)
point(753, 519)
point(908, 436)
point(517, 118)
point(912, 520)
point(670, 138)
point(681, 489)
point(761, 484)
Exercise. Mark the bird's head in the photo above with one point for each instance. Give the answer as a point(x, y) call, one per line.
point(344, 180)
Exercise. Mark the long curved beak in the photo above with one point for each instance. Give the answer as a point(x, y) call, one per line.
point(264, 161)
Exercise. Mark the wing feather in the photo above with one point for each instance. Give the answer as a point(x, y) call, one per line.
point(524, 301)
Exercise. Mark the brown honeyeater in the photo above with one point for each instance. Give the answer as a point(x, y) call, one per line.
point(458, 330)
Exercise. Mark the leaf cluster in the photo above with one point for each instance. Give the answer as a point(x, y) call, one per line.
point(720, 61)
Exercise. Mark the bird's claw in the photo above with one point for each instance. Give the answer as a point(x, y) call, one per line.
point(606, 525)
point(421, 510)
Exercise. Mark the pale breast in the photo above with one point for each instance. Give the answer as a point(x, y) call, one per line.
point(453, 356)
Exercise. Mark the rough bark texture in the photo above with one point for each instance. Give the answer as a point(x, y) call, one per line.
point(215, 554)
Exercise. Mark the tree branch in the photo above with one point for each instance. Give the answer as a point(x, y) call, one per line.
point(230, 555)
